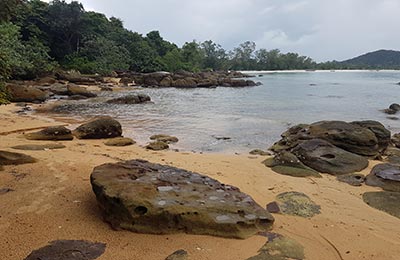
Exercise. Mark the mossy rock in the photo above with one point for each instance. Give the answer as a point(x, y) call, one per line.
point(279, 247)
point(386, 201)
point(119, 141)
point(296, 204)
point(52, 133)
point(9, 158)
point(259, 152)
point(164, 138)
point(157, 146)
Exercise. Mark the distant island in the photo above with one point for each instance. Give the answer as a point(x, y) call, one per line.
point(39, 38)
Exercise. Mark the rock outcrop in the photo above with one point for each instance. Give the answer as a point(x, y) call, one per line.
point(21, 93)
point(99, 128)
point(52, 133)
point(130, 99)
point(75, 90)
point(324, 157)
point(386, 176)
point(153, 198)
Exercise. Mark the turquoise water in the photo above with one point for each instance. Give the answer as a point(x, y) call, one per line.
point(254, 117)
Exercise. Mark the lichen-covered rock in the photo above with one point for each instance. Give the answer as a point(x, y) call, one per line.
point(296, 204)
point(386, 201)
point(157, 146)
point(279, 247)
point(288, 164)
point(68, 250)
point(153, 198)
point(52, 133)
point(164, 138)
point(99, 128)
point(119, 141)
point(386, 176)
point(130, 99)
point(38, 147)
point(9, 158)
point(324, 157)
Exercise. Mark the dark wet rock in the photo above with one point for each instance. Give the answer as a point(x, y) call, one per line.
point(68, 250)
point(99, 128)
point(77, 97)
point(352, 179)
point(385, 201)
point(74, 90)
point(386, 176)
point(20, 93)
point(279, 247)
point(296, 204)
point(119, 141)
point(164, 138)
point(259, 152)
point(9, 158)
point(178, 255)
point(273, 207)
point(157, 146)
point(5, 190)
point(223, 138)
point(38, 147)
point(395, 107)
point(390, 111)
point(288, 164)
point(130, 99)
point(153, 198)
point(52, 133)
point(324, 157)
point(395, 118)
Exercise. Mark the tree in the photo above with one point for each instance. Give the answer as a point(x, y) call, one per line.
point(214, 55)
point(192, 55)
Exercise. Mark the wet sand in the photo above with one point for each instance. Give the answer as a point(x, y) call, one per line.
point(52, 199)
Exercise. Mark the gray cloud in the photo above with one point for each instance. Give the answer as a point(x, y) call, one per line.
point(322, 29)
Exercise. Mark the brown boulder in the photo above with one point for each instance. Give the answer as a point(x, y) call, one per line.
point(9, 158)
point(19, 93)
point(152, 198)
point(52, 133)
point(99, 128)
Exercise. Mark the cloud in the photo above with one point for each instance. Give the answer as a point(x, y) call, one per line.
point(321, 29)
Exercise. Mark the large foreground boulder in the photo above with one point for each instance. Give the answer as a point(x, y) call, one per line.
point(100, 128)
point(153, 198)
point(52, 133)
point(324, 157)
point(19, 93)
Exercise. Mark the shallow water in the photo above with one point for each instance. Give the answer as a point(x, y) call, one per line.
point(253, 117)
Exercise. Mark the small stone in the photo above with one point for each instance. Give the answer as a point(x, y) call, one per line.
point(352, 179)
point(157, 146)
point(259, 152)
point(119, 141)
point(164, 138)
point(297, 204)
point(5, 190)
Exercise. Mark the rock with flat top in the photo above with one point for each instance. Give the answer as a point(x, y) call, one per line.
point(151, 198)
point(52, 133)
point(9, 158)
point(164, 138)
point(99, 128)
point(38, 147)
point(130, 99)
point(386, 176)
point(157, 146)
point(119, 141)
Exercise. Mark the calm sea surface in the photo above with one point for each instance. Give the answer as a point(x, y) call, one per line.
point(252, 117)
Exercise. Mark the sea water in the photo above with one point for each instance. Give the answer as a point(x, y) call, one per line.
point(240, 119)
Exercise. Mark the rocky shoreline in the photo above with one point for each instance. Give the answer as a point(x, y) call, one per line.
point(180, 195)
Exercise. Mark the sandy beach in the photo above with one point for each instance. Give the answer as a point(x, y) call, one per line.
point(52, 199)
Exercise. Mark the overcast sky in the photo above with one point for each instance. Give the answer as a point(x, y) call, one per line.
point(321, 29)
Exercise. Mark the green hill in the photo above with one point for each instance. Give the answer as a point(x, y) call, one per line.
point(381, 59)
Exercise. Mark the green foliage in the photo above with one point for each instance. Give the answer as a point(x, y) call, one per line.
point(99, 55)
point(4, 96)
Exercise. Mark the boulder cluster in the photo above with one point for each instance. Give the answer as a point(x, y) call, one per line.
point(333, 147)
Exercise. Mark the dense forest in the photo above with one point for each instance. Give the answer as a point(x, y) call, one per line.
point(38, 38)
